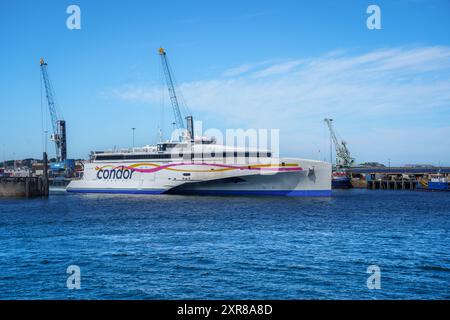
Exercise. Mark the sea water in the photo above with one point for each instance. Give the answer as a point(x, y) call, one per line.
point(186, 247)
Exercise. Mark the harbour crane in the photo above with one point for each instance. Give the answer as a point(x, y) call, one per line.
point(343, 158)
point(58, 124)
point(179, 124)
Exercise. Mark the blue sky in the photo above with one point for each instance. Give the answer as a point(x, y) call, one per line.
point(239, 64)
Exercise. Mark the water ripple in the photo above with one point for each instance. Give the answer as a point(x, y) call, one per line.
point(175, 247)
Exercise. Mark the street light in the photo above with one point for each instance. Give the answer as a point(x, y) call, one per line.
point(45, 141)
point(133, 135)
point(331, 145)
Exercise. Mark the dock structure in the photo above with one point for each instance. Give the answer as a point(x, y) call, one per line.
point(26, 186)
point(399, 170)
point(385, 184)
point(393, 178)
point(23, 187)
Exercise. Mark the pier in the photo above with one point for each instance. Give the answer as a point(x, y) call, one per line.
point(393, 178)
point(27, 187)
point(401, 184)
point(398, 170)
point(23, 187)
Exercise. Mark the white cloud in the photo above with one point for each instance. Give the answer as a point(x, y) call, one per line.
point(365, 92)
point(237, 71)
point(136, 93)
point(279, 68)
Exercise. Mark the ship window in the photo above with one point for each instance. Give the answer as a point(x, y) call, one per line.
point(110, 157)
point(148, 156)
point(186, 174)
point(264, 154)
point(209, 155)
point(235, 154)
point(170, 145)
point(247, 154)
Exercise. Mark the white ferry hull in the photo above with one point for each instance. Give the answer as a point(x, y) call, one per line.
point(291, 177)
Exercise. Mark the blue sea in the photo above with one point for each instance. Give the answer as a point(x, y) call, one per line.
point(186, 247)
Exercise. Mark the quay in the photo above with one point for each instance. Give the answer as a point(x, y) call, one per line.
point(394, 184)
point(398, 170)
point(23, 187)
point(26, 186)
point(394, 178)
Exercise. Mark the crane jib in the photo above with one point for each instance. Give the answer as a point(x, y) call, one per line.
point(171, 87)
point(342, 152)
point(58, 125)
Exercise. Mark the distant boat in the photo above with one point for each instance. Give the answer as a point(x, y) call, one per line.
point(436, 182)
point(58, 184)
point(340, 180)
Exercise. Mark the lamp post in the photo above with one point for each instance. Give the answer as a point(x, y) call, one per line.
point(4, 158)
point(331, 147)
point(45, 141)
point(133, 135)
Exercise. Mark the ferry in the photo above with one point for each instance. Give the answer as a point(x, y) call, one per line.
point(198, 165)
point(201, 167)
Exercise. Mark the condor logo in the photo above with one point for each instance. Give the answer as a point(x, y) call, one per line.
point(115, 174)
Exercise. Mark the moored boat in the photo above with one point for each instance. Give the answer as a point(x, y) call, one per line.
point(435, 182)
point(201, 168)
point(340, 180)
point(198, 165)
